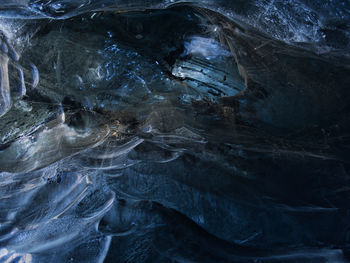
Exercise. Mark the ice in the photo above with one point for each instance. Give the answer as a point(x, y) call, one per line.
point(174, 131)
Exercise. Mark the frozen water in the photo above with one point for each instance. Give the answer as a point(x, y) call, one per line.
point(174, 131)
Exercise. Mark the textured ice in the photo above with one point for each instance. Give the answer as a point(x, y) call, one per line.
point(174, 131)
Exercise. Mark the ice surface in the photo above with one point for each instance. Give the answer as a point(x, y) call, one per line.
point(174, 131)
